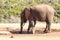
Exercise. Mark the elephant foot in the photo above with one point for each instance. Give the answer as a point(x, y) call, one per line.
point(30, 32)
point(20, 32)
point(46, 31)
point(33, 32)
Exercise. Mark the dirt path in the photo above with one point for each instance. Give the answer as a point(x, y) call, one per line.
point(48, 36)
point(12, 33)
point(39, 35)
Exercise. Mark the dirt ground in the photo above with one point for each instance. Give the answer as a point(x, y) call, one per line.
point(7, 33)
point(39, 35)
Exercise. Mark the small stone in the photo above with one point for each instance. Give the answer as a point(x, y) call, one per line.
point(11, 37)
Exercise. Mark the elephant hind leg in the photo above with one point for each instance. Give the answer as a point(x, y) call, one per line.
point(34, 19)
point(48, 25)
point(47, 29)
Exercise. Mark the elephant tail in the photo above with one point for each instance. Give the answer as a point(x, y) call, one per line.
point(55, 13)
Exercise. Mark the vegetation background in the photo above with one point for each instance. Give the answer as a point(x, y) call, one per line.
point(10, 10)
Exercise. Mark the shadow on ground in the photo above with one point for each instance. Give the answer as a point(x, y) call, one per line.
point(25, 32)
point(40, 31)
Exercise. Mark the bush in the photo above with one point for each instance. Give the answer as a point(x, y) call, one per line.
point(14, 7)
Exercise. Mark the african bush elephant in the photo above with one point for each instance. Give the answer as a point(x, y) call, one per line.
point(42, 12)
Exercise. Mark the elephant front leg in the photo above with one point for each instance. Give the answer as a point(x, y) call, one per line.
point(31, 28)
point(21, 27)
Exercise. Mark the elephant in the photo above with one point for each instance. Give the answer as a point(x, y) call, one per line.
point(42, 13)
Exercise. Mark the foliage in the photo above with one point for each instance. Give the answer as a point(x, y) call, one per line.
point(14, 7)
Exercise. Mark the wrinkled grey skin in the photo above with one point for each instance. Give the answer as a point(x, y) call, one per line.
point(41, 12)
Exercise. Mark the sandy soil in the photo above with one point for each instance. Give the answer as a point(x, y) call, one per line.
point(39, 35)
point(12, 33)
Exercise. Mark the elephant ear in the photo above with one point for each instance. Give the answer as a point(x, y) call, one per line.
point(27, 12)
point(23, 16)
